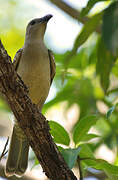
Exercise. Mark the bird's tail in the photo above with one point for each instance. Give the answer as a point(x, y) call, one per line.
point(18, 153)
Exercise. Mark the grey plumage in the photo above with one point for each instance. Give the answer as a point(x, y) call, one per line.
point(35, 64)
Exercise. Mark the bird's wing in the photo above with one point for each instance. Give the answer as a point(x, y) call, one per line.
point(17, 57)
point(52, 65)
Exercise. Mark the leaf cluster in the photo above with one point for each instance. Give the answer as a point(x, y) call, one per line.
point(85, 77)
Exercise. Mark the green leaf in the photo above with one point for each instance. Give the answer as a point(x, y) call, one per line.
point(83, 127)
point(59, 134)
point(88, 137)
point(86, 151)
point(111, 110)
point(89, 161)
point(89, 6)
point(88, 28)
point(104, 64)
point(76, 90)
point(110, 170)
point(110, 28)
point(70, 155)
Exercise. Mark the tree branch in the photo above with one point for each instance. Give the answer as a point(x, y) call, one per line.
point(72, 12)
point(69, 10)
point(32, 122)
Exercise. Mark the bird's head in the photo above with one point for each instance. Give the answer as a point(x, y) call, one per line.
point(36, 27)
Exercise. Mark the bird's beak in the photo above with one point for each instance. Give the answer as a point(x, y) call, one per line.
point(46, 18)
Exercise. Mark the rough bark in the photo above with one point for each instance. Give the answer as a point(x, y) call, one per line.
point(32, 122)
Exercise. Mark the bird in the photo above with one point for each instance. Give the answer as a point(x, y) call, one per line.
point(35, 65)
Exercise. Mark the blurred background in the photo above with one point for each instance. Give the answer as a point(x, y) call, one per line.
point(76, 90)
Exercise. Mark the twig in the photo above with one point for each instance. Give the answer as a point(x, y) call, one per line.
point(4, 152)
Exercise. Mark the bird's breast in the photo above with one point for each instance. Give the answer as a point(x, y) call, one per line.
point(34, 69)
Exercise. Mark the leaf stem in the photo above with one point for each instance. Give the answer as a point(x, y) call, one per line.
point(80, 169)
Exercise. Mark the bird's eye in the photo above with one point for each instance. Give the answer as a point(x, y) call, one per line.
point(32, 22)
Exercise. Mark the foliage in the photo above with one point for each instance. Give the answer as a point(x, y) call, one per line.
point(89, 6)
point(110, 32)
point(105, 62)
point(81, 130)
point(59, 133)
point(85, 77)
point(99, 56)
